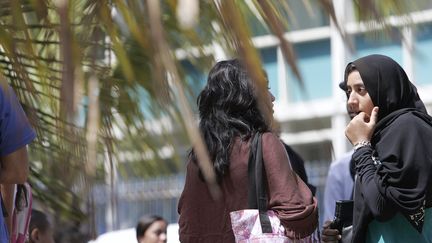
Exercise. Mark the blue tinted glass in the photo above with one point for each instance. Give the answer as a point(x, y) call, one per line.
point(305, 14)
point(368, 44)
point(314, 63)
point(195, 78)
point(269, 60)
point(423, 55)
point(297, 14)
point(145, 101)
point(257, 28)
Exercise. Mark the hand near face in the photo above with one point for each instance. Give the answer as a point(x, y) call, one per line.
point(362, 127)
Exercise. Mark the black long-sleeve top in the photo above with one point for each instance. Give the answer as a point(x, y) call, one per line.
point(394, 175)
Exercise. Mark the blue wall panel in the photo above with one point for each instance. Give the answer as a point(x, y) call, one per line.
point(269, 61)
point(423, 55)
point(367, 45)
point(314, 62)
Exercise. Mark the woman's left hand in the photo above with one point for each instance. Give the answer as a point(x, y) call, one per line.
point(329, 235)
point(361, 127)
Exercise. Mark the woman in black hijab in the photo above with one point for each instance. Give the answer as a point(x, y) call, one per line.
point(392, 159)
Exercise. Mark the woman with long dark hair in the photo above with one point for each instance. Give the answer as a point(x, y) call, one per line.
point(229, 117)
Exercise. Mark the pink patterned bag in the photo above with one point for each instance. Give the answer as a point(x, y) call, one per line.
point(247, 228)
point(257, 224)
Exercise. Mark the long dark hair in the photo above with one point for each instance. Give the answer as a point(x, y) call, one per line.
point(228, 109)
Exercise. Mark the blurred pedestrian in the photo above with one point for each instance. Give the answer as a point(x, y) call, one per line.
point(298, 166)
point(339, 184)
point(151, 229)
point(40, 229)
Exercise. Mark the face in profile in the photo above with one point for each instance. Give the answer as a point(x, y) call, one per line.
point(156, 233)
point(358, 97)
point(270, 100)
point(270, 97)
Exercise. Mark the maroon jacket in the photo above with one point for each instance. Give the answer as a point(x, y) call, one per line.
point(203, 219)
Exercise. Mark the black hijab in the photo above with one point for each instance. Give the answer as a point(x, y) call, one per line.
point(387, 84)
point(403, 176)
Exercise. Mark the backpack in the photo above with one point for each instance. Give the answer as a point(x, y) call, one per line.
point(21, 213)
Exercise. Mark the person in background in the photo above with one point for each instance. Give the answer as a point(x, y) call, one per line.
point(151, 229)
point(15, 134)
point(297, 162)
point(339, 184)
point(340, 179)
point(40, 229)
point(391, 135)
point(229, 118)
point(298, 166)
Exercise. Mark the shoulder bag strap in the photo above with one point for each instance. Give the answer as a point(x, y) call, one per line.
point(257, 183)
point(252, 193)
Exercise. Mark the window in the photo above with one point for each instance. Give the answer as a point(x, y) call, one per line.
point(378, 43)
point(194, 77)
point(314, 62)
point(269, 60)
point(297, 14)
point(423, 54)
point(305, 14)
